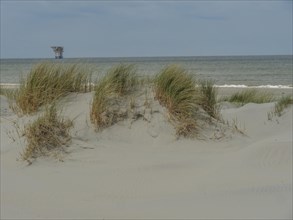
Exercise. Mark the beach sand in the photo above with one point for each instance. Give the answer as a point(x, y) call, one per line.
point(138, 169)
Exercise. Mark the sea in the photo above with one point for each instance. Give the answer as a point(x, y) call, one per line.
point(272, 71)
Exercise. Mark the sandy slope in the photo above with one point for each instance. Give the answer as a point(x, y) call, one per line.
point(137, 169)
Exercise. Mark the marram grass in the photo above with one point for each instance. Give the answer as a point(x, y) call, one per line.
point(280, 106)
point(208, 98)
point(49, 81)
point(119, 81)
point(123, 78)
point(250, 96)
point(282, 103)
point(175, 89)
point(50, 132)
point(8, 92)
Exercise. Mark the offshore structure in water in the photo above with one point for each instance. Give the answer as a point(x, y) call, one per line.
point(58, 52)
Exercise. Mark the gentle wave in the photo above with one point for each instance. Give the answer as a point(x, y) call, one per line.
point(9, 85)
point(261, 86)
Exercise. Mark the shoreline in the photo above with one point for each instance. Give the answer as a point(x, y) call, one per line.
point(223, 91)
point(228, 86)
point(276, 92)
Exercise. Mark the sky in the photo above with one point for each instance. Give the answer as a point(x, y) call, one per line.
point(145, 28)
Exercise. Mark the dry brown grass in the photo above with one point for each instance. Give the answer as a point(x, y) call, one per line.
point(48, 82)
point(49, 133)
point(119, 82)
point(175, 89)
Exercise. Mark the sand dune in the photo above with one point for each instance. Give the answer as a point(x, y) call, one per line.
point(138, 169)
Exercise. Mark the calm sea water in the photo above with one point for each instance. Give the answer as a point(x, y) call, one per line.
point(226, 71)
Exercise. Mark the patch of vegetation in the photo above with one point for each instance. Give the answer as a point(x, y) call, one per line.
point(280, 106)
point(250, 96)
point(49, 133)
point(8, 92)
point(208, 98)
point(175, 89)
point(119, 82)
point(283, 103)
point(49, 81)
point(2, 91)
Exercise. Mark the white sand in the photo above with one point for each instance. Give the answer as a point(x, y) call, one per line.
point(140, 170)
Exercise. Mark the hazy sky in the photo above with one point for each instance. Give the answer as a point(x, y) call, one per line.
point(145, 28)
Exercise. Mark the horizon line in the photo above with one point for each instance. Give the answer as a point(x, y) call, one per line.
point(168, 56)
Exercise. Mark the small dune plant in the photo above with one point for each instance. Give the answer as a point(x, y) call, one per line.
point(119, 82)
point(47, 135)
point(282, 103)
point(208, 98)
point(49, 81)
point(8, 92)
point(2, 91)
point(280, 106)
point(250, 96)
point(175, 89)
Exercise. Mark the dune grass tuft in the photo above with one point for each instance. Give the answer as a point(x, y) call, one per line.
point(208, 98)
point(280, 106)
point(48, 133)
point(8, 92)
point(3, 91)
point(120, 81)
point(175, 89)
point(122, 78)
point(282, 103)
point(49, 81)
point(250, 96)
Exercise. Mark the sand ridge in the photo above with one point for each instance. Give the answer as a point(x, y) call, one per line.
point(139, 169)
